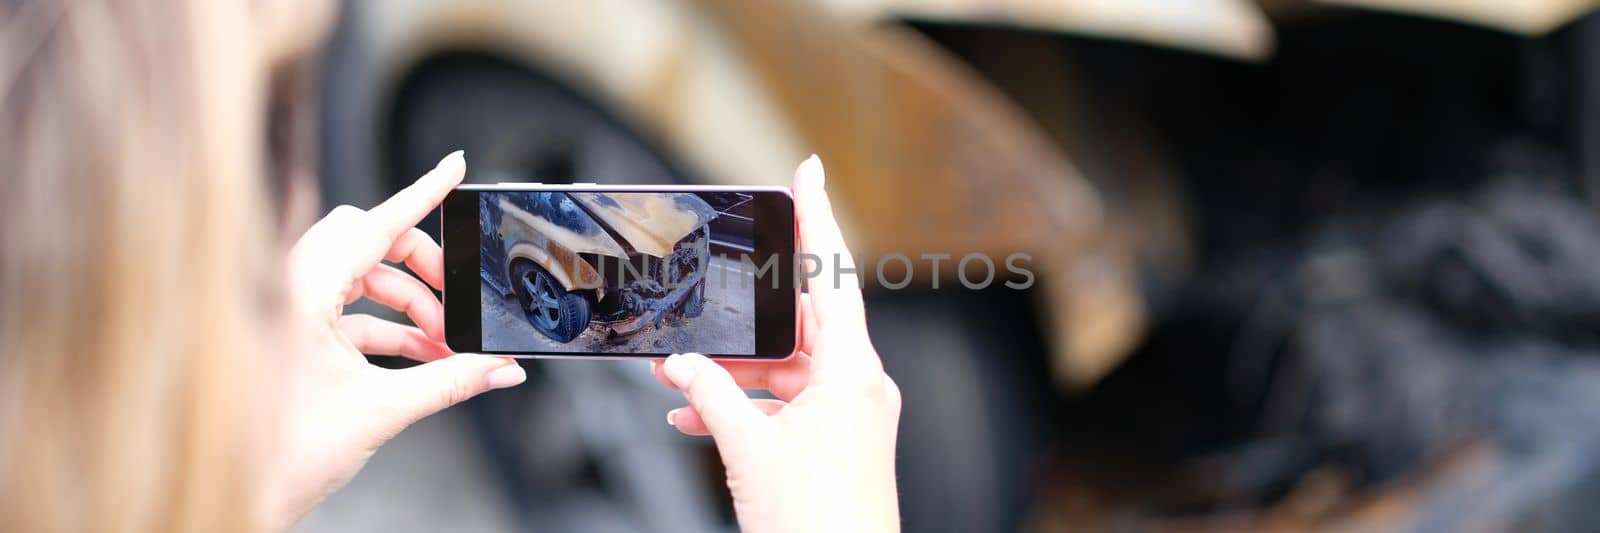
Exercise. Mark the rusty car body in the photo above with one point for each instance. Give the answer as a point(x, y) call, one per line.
point(576, 260)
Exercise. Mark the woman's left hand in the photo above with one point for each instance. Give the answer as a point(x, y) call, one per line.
point(338, 409)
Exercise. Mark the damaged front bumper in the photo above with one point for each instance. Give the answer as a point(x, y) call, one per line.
point(658, 308)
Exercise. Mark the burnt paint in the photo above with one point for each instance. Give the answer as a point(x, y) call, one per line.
point(491, 246)
point(691, 203)
point(556, 207)
point(607, 200)
point(649, 222)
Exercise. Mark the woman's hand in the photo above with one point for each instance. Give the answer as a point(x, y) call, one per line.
point(338, 408)
point(821, 456)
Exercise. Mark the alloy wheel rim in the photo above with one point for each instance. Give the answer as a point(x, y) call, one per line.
point(543, 304)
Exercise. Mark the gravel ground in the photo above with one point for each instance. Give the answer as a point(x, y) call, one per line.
point(727, 326)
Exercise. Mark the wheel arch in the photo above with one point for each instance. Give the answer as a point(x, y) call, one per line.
point(558, 264)
point(647, 61)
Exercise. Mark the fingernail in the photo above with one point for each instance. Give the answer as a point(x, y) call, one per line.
point(672, 417)
point(680, 370)
point(811, 169)
point(456, 157)
point(509, 375)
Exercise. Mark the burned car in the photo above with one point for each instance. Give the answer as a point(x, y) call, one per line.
point(620, 262)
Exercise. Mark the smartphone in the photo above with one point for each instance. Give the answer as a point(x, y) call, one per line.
point(620, 271)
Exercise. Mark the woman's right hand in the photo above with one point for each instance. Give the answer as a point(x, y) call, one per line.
point(821, 456)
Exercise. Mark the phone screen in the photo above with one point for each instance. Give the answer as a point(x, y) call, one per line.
point(627, 272)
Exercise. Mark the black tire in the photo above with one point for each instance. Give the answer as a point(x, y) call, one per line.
point(985, 365)
point(556, 312)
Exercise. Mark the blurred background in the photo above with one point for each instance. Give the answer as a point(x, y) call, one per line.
point(1302, 264)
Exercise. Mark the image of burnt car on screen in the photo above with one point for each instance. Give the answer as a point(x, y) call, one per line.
point(610, 264)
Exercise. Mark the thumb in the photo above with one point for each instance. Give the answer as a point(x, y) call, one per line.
point(428, 388)
point(728, 413)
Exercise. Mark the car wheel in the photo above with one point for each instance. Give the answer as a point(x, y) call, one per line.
point(556, 312)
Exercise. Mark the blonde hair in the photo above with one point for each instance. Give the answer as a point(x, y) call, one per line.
point(137, 266)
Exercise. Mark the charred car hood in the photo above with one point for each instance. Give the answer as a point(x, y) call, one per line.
point(559, 219)
point(651, 223)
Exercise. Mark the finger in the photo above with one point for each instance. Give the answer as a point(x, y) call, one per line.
point(835, 296)
point(412, 393)
point(401, 212)
point(891, 396)
point(689, 422)
point(375, 336)
point(784, 379)
point(345, 244)
point(835, 292)
point(397, 290)
point(420, 254)
point(333, 252)
point(728, 414)
point(808, 325)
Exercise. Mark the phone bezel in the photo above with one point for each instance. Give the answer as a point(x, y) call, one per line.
point(776, 328)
